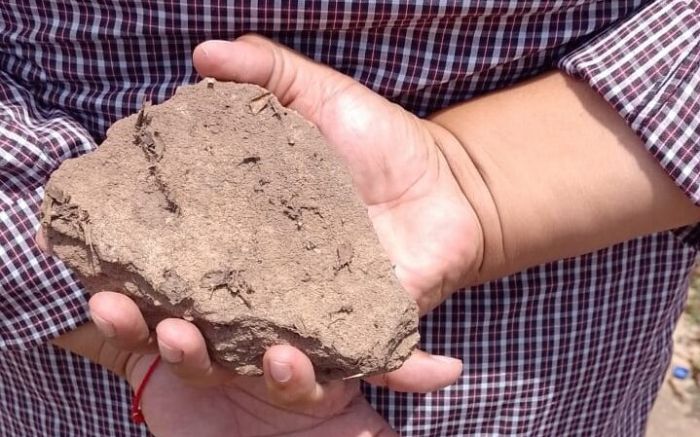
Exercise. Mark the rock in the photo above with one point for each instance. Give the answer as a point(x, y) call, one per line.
point(222, 207)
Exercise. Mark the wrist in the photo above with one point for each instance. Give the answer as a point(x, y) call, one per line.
point(562, 172)
point(468, 174)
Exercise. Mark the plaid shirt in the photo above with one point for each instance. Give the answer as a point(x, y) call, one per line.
point(574, 347)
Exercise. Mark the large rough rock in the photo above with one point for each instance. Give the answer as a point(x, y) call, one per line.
point(225, 208)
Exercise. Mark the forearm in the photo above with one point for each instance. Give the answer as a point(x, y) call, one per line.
point(553, 172)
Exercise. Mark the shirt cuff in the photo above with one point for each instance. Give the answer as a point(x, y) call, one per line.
point(648, 68)
point(39, 297)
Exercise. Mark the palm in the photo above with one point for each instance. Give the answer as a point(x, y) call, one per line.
point(175, 408)
point(419, 212)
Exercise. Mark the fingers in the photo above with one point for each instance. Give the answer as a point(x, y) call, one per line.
point(289, 375)
point(183, 348)
point(119, 319)
point(297, 81)
point(363, 127)
point(421, 373)
point(179, 342)
point(291, 381)
point(42, 242)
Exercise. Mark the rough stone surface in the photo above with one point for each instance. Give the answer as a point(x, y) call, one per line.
point(222, 207)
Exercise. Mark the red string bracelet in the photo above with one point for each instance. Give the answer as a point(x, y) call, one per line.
point(136, 413)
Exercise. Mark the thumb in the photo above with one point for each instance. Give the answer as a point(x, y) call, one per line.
point(383, 146)
point(295, 80)
point(421, 373)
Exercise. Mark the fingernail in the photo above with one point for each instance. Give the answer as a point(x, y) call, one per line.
point(444, 359)
point(203, 49)
point(281, 372)
point(169, 353)
point(105, 326)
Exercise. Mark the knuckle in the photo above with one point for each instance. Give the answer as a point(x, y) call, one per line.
point(113, 358)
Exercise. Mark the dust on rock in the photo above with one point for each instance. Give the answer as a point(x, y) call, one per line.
point(225, 208)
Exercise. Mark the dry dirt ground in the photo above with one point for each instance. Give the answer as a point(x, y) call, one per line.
point(677, 409)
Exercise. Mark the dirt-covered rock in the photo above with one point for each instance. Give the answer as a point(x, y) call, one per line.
point(222, 207)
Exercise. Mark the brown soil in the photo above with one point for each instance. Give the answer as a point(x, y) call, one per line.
point(222, 207)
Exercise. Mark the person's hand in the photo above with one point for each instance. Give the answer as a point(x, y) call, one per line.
point(421, 215)
point(189, 395)
point(194, 397)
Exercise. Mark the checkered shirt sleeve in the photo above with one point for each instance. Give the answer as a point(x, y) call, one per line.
point(648, 68)
point(40, 298)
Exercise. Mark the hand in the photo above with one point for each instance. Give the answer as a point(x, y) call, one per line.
point(420, 213)
point(189, 395)
point(194, 397)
